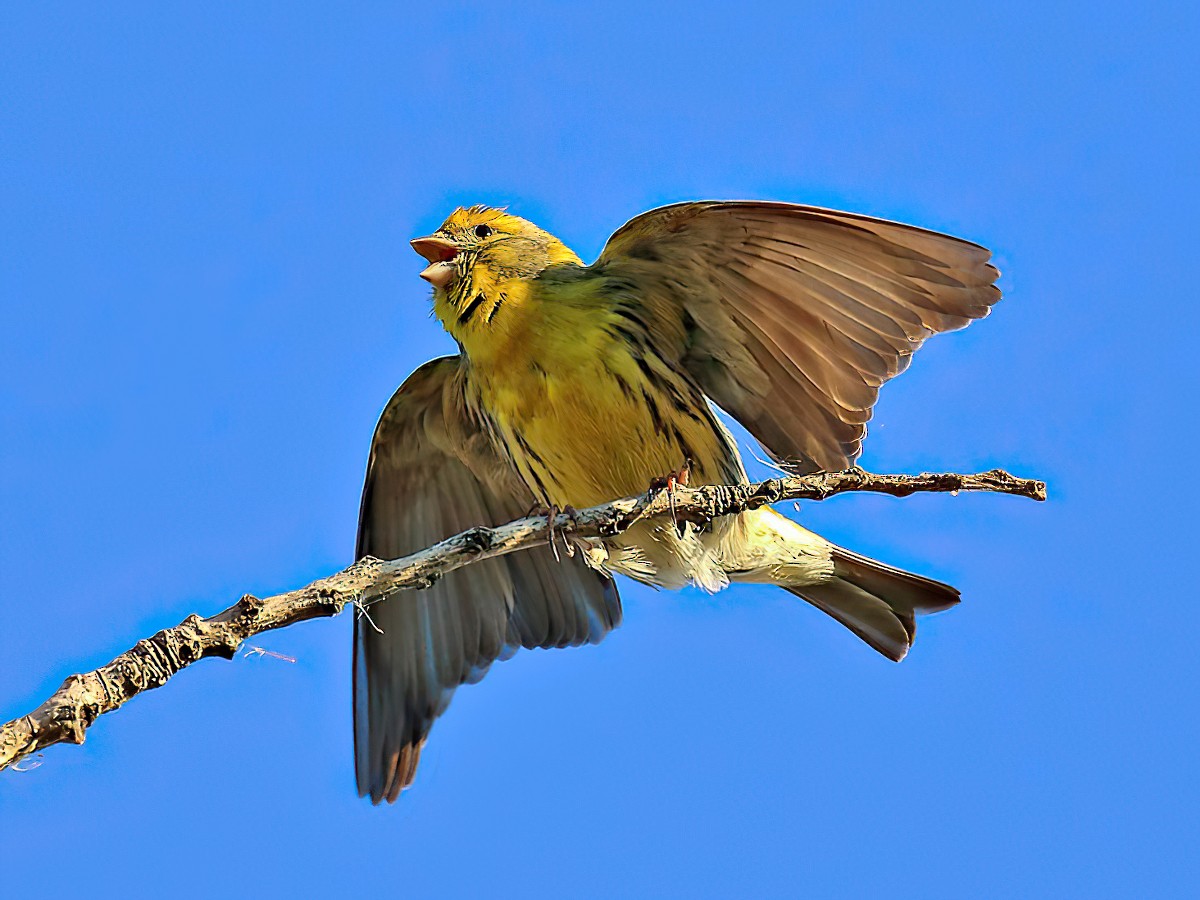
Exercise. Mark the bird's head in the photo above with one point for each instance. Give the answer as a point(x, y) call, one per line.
point(482, 262)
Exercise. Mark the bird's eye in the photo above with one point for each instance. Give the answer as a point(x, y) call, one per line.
point(482, 231)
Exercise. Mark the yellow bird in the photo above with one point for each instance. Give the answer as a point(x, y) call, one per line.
point(575, 385)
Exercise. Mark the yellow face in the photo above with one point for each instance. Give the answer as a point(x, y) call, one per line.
point(482, 262)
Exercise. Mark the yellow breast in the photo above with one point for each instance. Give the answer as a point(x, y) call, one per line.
point(587, 417)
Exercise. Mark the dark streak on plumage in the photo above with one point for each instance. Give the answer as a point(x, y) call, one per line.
point(630, 315)
point(635, 341)
point(685, 405)
point(613, 285)
point(543, 494)
point(492, 313)
point(656, 417)
point(470, 310)
point(646, 370)
point(625, 386)
point(529, 450)
point(688, 455)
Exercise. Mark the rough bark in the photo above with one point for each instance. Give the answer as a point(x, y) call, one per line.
point(71, 710)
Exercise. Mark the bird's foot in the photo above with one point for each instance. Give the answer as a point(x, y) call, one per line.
point(573, 514)
point(672, 479)
point(669, 483)
point(551, 513)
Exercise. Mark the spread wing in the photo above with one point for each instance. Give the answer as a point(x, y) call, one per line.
point(431, 475)
point(792, 317)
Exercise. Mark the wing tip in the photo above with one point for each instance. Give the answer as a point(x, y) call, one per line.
point(395, 776)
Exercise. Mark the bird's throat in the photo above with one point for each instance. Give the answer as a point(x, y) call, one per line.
point(489, 320)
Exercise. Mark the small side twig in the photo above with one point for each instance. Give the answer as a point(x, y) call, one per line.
point(273, 654)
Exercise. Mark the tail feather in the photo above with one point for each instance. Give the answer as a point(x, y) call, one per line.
point(876, 601)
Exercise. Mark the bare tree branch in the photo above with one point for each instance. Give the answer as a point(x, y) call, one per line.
point(71, 710)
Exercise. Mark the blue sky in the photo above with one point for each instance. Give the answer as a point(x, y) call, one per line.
point(208, 297)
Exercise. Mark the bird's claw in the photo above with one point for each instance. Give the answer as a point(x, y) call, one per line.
point(669, 483)
point(551, 513)
point(573, 514)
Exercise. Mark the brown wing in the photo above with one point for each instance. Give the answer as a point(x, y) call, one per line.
point(431, 475)
point(792, 317)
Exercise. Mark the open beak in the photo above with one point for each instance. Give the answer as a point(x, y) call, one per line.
point(440, 253)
